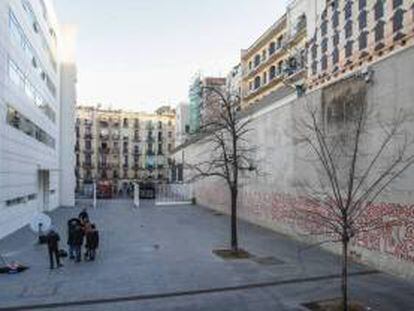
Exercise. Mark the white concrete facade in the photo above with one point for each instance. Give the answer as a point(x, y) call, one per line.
point(31, 110)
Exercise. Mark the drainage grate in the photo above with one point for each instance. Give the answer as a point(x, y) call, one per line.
point(267, 261)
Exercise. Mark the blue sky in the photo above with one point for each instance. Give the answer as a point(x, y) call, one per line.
point(140, 54)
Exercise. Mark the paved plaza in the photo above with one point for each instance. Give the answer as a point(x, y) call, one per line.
point(160, 258)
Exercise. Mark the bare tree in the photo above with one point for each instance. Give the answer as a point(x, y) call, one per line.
point(230, 154)
point(350, 169)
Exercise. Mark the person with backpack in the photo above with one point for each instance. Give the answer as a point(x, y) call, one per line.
point(53, 239)
point(92, 242)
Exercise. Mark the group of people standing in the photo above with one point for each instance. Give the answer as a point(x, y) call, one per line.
point(80, 231)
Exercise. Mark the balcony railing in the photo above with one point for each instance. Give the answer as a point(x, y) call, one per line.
point(88, 165)
point(88, 136)
point(104, 150)
point(105, 166)
point(116, 137)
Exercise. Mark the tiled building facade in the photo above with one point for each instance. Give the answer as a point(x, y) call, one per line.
point(353, 34)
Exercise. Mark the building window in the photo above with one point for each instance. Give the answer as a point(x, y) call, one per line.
point(335, 19)
point(279, 42)
point(20, 122)
point(335, 56)
point(362, 19)
point(362, 4)
point(250, 65)
point(264, 77)
point(314, 51)
point(348, 10)
point(324, 45)
point(264, 55)
point(324, 28)
point(363, 40)
point(272, 73)
point(314, 67)
point(336, 39)
point(324, 62)
point(348, 29)
point(379, 31)
point(257, 60)
point(348, 49)
point(250, 85)
point(272, 48)
point(257, 82)
point(379, 9)
point(396, 3)
point(397, 20)
point(280, 67)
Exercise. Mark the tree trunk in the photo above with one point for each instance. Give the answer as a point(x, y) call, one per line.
point(344, 276)
point(234, 240)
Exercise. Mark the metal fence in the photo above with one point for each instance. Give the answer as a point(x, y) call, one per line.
point(173, 194)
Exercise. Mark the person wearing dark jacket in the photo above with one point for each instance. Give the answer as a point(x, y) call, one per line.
point(72, 223)
point(92, 242)
point(77, 242)
point(53, 247)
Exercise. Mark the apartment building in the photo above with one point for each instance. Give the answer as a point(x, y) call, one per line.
point(203, 102)
point(119, 147)
point(36, 94)
point(350, 35)
point(278, 57)
point(182, 123)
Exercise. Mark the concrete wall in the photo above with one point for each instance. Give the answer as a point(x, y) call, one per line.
point(271, 199)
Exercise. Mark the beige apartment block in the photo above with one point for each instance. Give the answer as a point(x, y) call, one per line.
point(119, 147)
point(276, 58)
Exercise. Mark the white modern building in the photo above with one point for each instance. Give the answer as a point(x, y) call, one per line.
point(37, 97)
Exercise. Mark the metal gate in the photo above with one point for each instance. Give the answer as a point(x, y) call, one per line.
point(174, 194)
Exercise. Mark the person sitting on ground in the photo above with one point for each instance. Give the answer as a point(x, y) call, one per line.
point(53, 239)
point(77, 242)
point(92, 242)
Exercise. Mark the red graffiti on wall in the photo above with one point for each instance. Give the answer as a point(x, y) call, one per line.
point(394, 235)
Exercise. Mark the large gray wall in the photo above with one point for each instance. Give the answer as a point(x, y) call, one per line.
point(270, 199)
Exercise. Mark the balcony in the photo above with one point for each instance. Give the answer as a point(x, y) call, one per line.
point(116, 137)
point(150, 139)
point(89, 151)
point(88, 165)
point(137, 139)
point(116, 150)
point(104, 150)
point(104, 166)
point(88, 136)
point(104, 137)
point(136, 167)
point(150, 153)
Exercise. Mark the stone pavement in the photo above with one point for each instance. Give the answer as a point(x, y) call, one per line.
point(160, 258)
